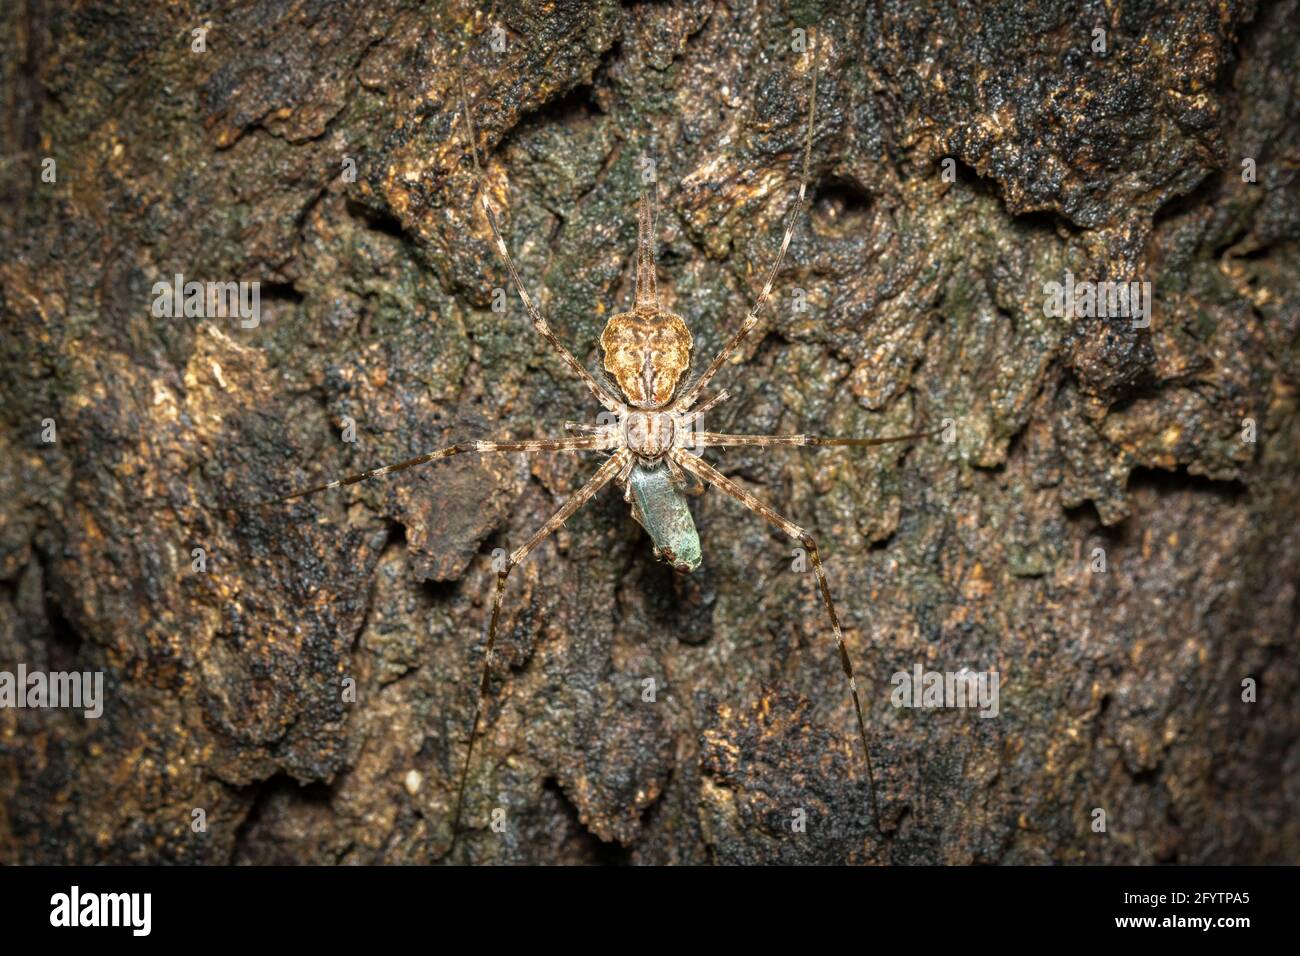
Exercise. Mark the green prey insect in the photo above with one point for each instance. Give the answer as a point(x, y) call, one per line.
point(652, 431)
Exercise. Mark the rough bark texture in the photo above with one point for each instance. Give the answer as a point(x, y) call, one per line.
point(1119, 690)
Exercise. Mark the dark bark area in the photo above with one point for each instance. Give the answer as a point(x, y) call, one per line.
point(225, 688)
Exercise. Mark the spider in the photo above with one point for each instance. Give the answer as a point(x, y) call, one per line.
point(653, 434)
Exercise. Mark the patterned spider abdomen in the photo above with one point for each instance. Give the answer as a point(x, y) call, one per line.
point(646, 352)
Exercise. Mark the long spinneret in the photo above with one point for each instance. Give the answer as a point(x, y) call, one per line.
point(647, 351)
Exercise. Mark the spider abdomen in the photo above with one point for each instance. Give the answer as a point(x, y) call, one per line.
point(659, 506)
point(646, 351)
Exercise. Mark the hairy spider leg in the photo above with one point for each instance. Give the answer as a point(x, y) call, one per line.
point(594, 442)
point(720, 440)
point(612, 466)
point(751, 320)
point(708, 473)
point(602, 394)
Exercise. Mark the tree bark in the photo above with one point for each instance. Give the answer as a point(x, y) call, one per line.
point(1108, 523)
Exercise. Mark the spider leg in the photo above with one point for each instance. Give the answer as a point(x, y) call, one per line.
point(688, 482)
point(602, 477)
point(720, 481)
point(719, 440)
point(588, 443)
point(583, 427)
point(675, 469)
point(696, 413)
point(751, 319)
point(540, 324)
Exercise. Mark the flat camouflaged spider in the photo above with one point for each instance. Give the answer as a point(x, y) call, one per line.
point(653, 435)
